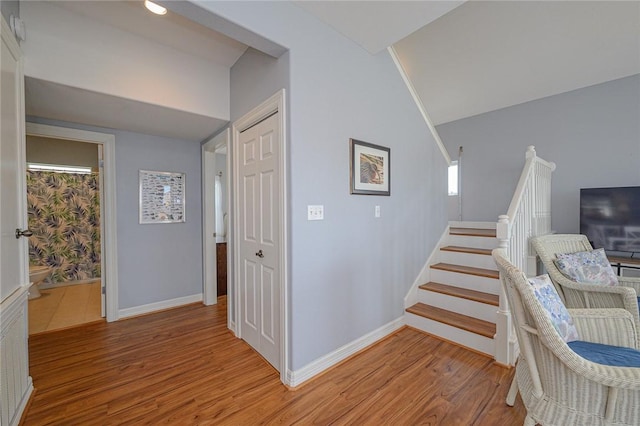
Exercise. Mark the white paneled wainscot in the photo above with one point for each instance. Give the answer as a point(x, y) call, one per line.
point(16, 385)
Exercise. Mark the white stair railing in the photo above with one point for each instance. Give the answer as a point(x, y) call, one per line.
point(529, 215)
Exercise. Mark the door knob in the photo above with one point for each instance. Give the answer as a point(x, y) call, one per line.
point(23, 233)
point(260, 254)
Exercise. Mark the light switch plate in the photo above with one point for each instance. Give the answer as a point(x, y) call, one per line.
point(315, 212)
point(376, 211)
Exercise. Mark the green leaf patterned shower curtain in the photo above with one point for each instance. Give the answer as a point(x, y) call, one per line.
point(64, 215)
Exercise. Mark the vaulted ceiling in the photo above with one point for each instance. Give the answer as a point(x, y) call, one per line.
point(463, 58)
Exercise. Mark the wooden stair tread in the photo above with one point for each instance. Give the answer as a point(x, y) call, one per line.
point(488, 273)
point(471, 250)
point(463, 293)
point(473, 232)
point(463, 322)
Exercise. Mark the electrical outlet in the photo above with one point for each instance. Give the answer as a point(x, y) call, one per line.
point(315, 212)
point(376, 211)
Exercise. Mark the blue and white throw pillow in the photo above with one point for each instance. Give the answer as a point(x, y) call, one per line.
point(547, 295)
point(587, 267)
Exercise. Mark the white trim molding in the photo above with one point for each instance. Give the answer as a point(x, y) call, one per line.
point(419, 104)
point(159, 306)
point(275, 104)
point(296, 378)
point(108, 142)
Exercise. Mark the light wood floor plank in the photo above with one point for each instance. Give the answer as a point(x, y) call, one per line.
point(185, 367)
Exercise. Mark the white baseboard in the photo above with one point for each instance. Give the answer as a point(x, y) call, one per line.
point(158, 306)
point(296, 378)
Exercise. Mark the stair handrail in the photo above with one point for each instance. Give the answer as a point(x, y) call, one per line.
point(529, 215)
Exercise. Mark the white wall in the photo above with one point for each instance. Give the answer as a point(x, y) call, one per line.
point(350, 272)
point(73, 50)
point(220, 161)
point(157, 262)
point(592, 134)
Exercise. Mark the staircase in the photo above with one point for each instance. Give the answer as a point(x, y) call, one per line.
point(459, 303)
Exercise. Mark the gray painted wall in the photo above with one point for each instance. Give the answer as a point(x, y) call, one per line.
point(592, 134)
point(254, 78)
point(350, 272)
point(156, 262)
point(8, 8)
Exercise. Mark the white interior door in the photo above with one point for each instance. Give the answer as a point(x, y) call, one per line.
point(259, 246)
point(13, 251)
point(15, 384)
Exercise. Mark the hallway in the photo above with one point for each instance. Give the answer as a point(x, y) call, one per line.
point(183, 366)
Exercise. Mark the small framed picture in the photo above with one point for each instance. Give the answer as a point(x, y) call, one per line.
point(370, 168)
point(162, 197)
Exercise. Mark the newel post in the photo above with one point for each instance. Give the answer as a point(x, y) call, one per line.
point(505, 337)
point(531, 152)
point(502, 231)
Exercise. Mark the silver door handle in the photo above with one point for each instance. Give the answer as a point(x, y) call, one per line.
point(23, 233)
point(260, 254)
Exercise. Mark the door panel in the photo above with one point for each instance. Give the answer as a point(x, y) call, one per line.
point(267, 216)
point(259, 245)
point(269, 324)
point(15, 384)
point(249, 151)
point(250, 289)
point(249, 212)
point(12, 176)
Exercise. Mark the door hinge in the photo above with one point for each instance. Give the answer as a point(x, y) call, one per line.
point(103, 290)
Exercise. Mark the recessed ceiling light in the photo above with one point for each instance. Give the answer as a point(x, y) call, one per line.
point(155, 8)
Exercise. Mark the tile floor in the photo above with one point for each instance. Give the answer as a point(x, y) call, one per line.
point(64, 307)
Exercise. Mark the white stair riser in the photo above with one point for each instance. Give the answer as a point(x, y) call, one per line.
point(470, 241)
point(466, 307)
point(471, 282)
point(472, 225)
point(467, 259)
point(453, 334)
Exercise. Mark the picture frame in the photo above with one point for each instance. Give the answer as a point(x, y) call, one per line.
point(162, 197)
point(369, 168)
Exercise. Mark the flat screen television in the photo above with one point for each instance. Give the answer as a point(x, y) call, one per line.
point(610, 218)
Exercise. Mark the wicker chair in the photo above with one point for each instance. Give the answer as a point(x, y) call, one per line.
point(557, 386)
point(576, 295)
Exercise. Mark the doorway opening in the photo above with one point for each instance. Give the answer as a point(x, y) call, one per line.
point(215, 195)
point(64, 214)
point(71, 212)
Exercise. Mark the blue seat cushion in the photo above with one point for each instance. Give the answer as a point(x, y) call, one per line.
point(615, 356)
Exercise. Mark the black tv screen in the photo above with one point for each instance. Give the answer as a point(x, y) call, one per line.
point(610, 217)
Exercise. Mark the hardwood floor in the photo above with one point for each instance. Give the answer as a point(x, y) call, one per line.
point(184, 367)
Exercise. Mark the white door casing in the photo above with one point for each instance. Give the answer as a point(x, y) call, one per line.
point(210, 291)
point(103, 287)
point(260, 230)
